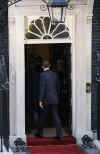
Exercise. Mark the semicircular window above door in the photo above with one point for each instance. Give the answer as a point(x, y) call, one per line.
point(43, 29)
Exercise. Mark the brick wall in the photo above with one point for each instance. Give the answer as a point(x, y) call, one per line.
point(4, 66)
point(4, 30)
point(95, 60)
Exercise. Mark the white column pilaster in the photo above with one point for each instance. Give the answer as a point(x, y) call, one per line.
point(83, 75)
point(20, 77)
point(12, 75)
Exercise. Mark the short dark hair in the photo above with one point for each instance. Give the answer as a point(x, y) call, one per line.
point(45, 63)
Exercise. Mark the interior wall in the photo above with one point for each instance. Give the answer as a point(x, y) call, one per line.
point(39, 50)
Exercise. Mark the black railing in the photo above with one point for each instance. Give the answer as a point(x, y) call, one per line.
point(4, 119)
point(98, 107)
point(97, 55)
point(4, 104)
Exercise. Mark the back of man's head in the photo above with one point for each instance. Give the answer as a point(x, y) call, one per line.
point(46, 63)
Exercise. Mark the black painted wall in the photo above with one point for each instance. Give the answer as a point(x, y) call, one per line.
point(4, 67)
point(95, 62)
point(4, 29)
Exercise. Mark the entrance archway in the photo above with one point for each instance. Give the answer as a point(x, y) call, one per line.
point(17, 75)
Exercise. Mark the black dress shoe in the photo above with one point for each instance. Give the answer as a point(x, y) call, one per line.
point(38, 135)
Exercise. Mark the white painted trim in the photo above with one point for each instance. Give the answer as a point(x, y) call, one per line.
point(12, 75)
point(51, 41)
point(20, 78)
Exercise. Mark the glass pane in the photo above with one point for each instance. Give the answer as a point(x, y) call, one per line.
point(62, 35)
point(44, 30)
point(59, 29)
point(47, 37)
point(32, 21)
point(39, 25)
point(47, 23)
point(52, 27)
point(67, 28)
point(64, 13)
point(33, 28)
point(55, 14)
point(41, 17)
point(31, 36)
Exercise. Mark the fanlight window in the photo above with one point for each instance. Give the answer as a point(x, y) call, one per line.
point(42, 28)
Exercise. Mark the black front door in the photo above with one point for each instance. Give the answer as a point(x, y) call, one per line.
point(61, 61)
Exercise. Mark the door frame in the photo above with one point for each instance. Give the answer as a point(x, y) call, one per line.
point(17, 74)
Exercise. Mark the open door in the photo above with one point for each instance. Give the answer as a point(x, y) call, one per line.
point(59, 56)
point(61, 59)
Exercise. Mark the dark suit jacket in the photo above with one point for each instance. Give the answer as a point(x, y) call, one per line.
point(49, 87)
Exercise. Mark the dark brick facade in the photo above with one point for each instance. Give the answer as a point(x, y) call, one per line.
point(4, 67)
point(4, 30)
point(95, 61)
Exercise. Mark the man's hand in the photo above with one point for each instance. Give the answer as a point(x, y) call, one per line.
point(41, 105)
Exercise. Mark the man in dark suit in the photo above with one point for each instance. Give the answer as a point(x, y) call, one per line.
point(49, 93)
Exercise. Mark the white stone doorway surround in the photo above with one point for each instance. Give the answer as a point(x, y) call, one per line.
point(81, 72)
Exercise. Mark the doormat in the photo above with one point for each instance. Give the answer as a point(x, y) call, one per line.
point(50, 141)
point(56, 149)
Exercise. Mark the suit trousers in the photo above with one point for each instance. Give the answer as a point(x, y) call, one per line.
point(50, 108)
